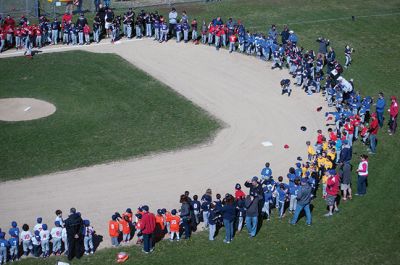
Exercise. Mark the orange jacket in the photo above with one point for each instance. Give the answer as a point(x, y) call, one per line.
point(113, 228)
point(174, 221)
point(126, 228)
point(160, 222)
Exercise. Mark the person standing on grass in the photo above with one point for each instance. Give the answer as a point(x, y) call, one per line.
point(393, 111)
point(373, 131)
point(303, 197)
point(362, 172)
point(74, 225)
point(228, 212)
point(380, 108)
point(345, 184)
point(173, 20)
point(185, 215)
point(332, 189)
point(148, 226)
point(251, 205)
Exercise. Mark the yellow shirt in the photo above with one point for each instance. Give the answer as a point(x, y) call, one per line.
point(324, 179)
point(311, 150)
point(325, 146)
point(332, 155)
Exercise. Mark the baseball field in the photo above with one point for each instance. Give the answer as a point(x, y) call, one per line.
point(140, 122)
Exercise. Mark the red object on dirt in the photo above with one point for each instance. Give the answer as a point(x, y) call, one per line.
point(286, 146)
point(319, 109)
point(329, 118)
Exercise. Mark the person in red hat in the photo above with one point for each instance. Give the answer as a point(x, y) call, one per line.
point(393, 111)
point(373, 131)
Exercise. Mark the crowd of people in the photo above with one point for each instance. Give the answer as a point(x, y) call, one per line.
point(327, 167)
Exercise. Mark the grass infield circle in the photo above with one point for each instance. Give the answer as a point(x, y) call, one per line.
point(24, 109)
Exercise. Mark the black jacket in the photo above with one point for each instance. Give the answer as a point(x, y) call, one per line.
point(73, 224)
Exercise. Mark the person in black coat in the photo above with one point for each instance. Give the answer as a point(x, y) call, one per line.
point(73, 225)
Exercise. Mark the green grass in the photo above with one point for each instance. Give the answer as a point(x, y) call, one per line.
point(366, 230)
point(106, 110)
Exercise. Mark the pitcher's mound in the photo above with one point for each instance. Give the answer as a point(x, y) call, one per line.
point(24, 109)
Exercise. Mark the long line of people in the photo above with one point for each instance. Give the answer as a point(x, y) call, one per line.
point(328, 163)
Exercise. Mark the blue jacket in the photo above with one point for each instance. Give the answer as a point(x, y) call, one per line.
point(228, 212)
point(4, 243)
point(266, 171)
point(212, 217)
point(380, 105)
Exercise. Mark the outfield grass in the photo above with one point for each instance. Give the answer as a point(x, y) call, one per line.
point(366, 230)
point(107, 110)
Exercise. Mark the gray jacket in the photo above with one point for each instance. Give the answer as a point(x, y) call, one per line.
point(304, 194)
point(251, 207)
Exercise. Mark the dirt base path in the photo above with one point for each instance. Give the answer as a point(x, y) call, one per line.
point(241, 91)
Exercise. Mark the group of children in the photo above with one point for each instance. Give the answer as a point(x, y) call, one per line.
point(41, 241)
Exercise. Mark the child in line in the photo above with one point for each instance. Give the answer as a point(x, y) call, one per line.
point(64, 239)
point(44, 241)
point(113, 230)
point(26, 238)
point(282, 193)
point(56, 233)
point(126, 228)
point(38, 226)
point(59, 218)
point(3, 248)
point(88, 232)
point(212, 221)
point(174, 221)
point(14, 241)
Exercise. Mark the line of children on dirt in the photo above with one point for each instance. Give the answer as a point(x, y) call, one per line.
point(43, 242)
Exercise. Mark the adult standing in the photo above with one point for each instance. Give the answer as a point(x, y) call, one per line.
point(362, 172)
point(251, 205)
point(393, 111)
point(380, 108)
point(74, 225)
point(173, 20)
point(205, 206)
point(285, 35)
point(345, 176)
point(185, 215)
point(332, 190)
point(304, 196)
point(96, 5)
point(373, 131)
point(148, 226)
point(228, 212)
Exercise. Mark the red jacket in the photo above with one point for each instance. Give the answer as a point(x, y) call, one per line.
point(394, 109)
point(232, 38)
point(149, 223)
point(374, 126)
point(332, 185)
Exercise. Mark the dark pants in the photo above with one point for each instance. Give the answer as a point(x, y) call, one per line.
point(361, 185)
point(393, 124)
point(147, 242)
point(186, 226)
point(75, 248)
point(380, 118)
point(172, 31)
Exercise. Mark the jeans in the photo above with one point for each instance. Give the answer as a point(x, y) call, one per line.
point(147, 242)
point(54, 36)
point(217, 42)
point(148, 30)
point(96, 35)
point(138, 32)
point(203, 38)
point(186, 226)
point(194, 35)
point(228, 229)
point(38, 41)
point(361, 185)
point(185, 35)
point(240, 223)
point(293, 202)
point(210, 38)
point(372, 142)
point(380, 118)
point(87, 38)
point(66, 38)
point(231, 47)
point(251, 224)
point(281, 208)
point(56, 244)
point(205, 218)
point(223, 40)
point(114, 241)
point(88, 243)
point(157, 34)
point(299, 208)
point(173, 233)
point(17, 42)
point(178, 36)
point(211, 232)
point(126, 237)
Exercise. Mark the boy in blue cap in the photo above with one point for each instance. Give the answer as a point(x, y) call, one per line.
point(45, 238)
point(13, 241)
point(88, 232)
point(38, 226)
point(266, 172)
point(3, 248)
point(56, 235)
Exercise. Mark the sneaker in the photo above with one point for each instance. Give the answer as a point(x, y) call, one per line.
point(328, 215)
point(337, 210)
point(91, 252)
point(86, 253)
point(308, 224)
